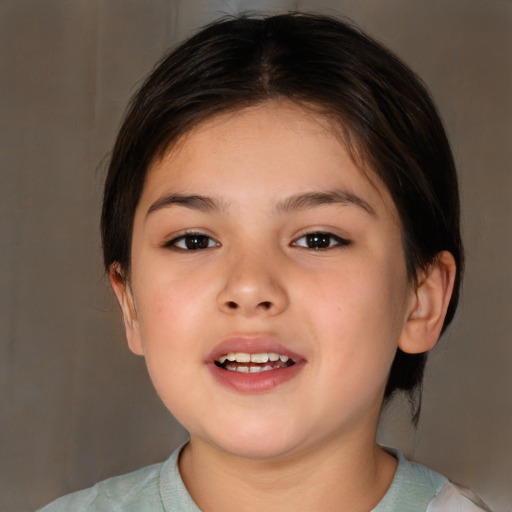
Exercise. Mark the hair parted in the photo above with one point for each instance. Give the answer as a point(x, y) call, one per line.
point(382, 107)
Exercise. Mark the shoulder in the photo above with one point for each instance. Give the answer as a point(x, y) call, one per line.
point(157, 488)
point(454, 498)
point(124, 492)
point(412, 488)
point(416, 488)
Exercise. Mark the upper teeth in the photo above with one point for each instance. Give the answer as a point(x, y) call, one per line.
point(244, 357)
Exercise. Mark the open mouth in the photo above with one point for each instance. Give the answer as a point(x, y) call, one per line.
point(253, 363)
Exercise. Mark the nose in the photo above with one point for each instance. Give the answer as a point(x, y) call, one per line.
point(254, 285)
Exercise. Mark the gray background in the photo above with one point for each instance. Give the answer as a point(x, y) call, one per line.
point(75, 405)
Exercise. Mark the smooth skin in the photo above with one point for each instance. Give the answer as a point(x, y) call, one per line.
point(226, 245)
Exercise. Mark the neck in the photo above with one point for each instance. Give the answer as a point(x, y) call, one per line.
point(335, 476)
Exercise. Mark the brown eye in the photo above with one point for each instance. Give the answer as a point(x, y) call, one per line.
point(320, 240)
point(193, 242)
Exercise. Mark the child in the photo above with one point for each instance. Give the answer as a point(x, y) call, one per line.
point(281, 228)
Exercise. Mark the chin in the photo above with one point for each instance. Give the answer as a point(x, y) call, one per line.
point(260, 444)
point(265, 451)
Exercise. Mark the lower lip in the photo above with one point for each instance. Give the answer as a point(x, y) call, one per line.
point(255, 382)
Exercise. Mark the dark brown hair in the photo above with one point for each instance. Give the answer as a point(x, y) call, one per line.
point(390, 122)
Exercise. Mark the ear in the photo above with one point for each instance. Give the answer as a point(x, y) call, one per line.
point(124, 295)
point(429, 303)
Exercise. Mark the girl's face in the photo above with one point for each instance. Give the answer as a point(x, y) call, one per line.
point(257, 238)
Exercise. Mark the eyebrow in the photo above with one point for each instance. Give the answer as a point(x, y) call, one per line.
point(314, 199)
point(194, 202)
point(296, 202)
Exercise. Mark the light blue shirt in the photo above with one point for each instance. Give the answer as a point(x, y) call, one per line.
point(159, 488)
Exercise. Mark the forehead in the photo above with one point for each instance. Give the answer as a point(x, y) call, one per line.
point(291, 148)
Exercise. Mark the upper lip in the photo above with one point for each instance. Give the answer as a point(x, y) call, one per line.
point(252, 345)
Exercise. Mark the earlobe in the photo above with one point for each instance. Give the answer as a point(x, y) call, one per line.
point(428, 305)
point(124, 296)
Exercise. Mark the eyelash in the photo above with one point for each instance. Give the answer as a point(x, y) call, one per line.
point(321, 237)
point(190, 237)
point(196, 241)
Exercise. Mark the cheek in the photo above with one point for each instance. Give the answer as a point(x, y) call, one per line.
point(367, 293)
point(171, 318)
point(168, 301)
point(358, 315)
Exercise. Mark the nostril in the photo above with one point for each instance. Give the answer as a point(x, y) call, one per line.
point(232, 305)
point(265, 305)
